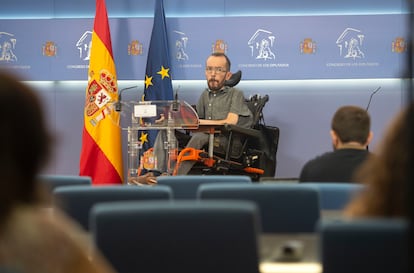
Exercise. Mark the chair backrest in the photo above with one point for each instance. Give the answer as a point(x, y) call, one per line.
point(76, 201)
point(360, 246)
point(284, 208)
point(181, 236)
point(186, 186)
point(335, 196)
point(53, 181)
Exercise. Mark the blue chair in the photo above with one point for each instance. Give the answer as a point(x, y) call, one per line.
point(76, 201)
point(365, 245)
point(185, 186)
point(335, 196)
point(53, 181)
point(284, 208)
point(181, 236)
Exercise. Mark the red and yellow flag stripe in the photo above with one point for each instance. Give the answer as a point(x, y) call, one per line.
point(101, 155)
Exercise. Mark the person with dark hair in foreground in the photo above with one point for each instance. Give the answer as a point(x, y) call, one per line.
point(351, 134)
point(32, 239)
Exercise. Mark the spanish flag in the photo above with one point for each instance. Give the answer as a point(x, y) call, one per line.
point(101, 154)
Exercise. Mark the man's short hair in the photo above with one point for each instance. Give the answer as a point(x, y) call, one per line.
point(351, 123)
point(220, 54)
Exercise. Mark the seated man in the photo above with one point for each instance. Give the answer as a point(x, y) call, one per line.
point(350, 133)
point(217, 105)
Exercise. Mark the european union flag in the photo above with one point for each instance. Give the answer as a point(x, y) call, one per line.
point(158, 75)
point(158, 84)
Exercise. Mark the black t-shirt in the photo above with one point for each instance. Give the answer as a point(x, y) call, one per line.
point(336, 166)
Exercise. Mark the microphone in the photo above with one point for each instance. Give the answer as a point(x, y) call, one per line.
point(118, 104)
point(175, 104)
point(370, 98)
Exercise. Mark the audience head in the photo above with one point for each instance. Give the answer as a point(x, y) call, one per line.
point(385, 174)
point(350, 128)
point(24, 143)
point(217, 71)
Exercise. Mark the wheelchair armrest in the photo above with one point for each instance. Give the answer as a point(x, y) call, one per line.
point(227, 128)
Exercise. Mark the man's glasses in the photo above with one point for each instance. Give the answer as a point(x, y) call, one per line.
point(210, 69)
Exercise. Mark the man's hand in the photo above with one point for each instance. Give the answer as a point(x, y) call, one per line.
point(146, 179)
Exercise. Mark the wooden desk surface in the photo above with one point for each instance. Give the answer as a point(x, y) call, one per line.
point(286, 253)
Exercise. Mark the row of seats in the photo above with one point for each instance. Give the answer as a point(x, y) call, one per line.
point(332, 196)
point(175, 231)
point(218, 236)
point(298, 205)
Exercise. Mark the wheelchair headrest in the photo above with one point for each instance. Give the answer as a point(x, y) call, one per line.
point(234, 79)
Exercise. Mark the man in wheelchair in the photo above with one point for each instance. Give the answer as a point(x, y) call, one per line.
point(224, 107)
point(242, 144)
point(218, 105)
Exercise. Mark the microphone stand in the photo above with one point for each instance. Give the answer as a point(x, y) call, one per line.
point(370, 97)
point(118, 104)
point(175, 104)
point(369, 102)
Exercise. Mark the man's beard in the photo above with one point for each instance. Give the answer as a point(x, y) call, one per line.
point(214, 87)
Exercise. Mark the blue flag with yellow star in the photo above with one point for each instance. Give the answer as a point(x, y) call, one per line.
point(158, 85)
